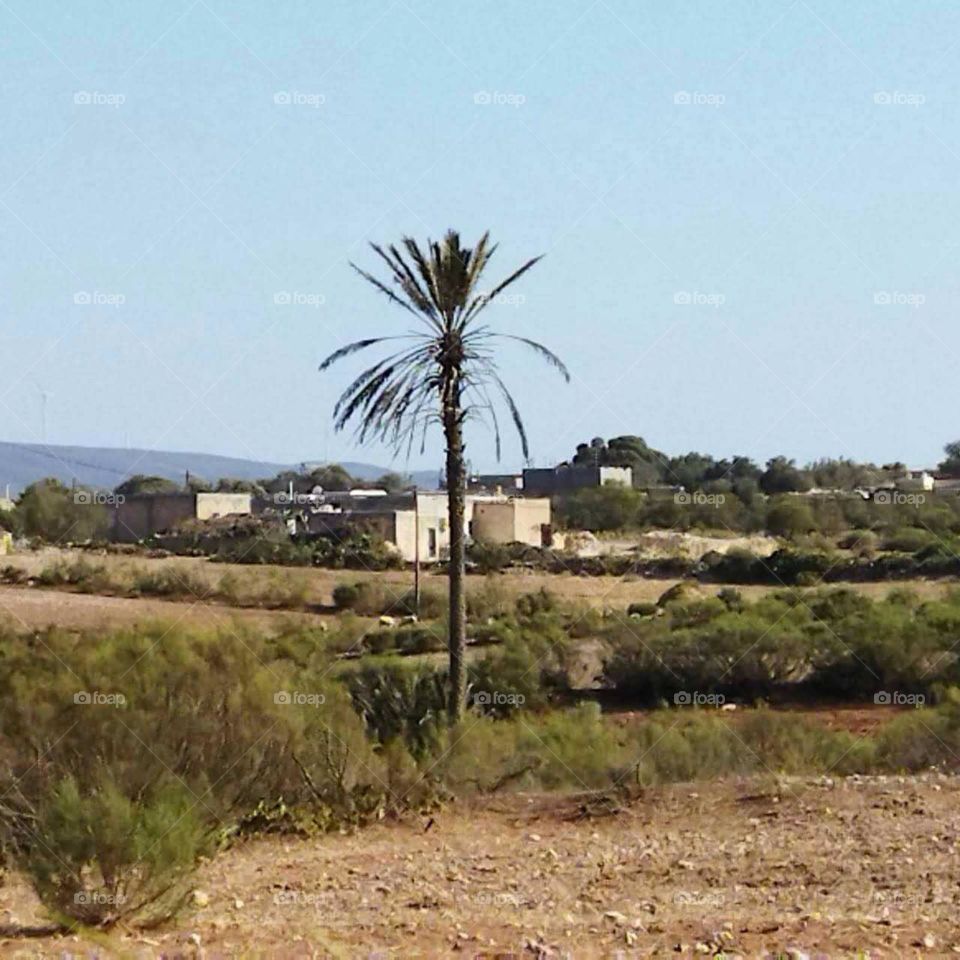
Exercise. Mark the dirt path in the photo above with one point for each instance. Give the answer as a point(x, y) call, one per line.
point(32, 608)
point(827, 867)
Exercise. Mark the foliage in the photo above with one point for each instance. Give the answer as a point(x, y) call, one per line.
point(140, 484)
point(57, 514)
point(610, 507)
point(827, 642)
point(101, 856)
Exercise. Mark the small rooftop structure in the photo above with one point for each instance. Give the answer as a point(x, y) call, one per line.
point(568, 477)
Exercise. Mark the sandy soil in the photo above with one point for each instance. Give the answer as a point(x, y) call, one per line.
point(837, 868)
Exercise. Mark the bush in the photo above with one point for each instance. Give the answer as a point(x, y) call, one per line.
point(379, 641)
point(346, 596)
point(101, 856)
point(402, 700)
point(418, 640)
point(610, 507)
point(790, 517)
point(488, 557)
point(908, 539)
point(55, 513)
point(373, 598)
point(490, 600)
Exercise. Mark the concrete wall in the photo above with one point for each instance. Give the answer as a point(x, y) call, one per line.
point(568, 477)
point(139, 517)
point(210, 505)
point(511, 521)
point(434, 531)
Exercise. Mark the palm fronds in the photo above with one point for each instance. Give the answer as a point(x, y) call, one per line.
point(450, 368)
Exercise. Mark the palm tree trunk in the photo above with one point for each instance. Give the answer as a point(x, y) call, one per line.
point(456, 504)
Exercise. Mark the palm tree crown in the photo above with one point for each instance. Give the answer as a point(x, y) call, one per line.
point(446, 364)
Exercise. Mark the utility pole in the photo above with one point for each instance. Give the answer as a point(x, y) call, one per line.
point(416, 552)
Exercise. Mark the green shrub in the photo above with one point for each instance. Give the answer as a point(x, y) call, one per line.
point(346, 596)
point(490, 600)
point(379, 641)
point(418, 640)
point(99, 857)
point(373, 598)
point(907, 539)
point(402, 700)
point(171, 581)
point(489, 557)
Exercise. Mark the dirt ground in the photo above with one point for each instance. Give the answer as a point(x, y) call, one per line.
point(826, 868)
point(36, 607)
point(33, 608)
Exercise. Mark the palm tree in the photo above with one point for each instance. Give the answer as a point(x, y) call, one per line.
point(443, 371)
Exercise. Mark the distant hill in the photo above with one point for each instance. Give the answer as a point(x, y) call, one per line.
point(105, 467)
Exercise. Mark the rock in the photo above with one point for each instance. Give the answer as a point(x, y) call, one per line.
point(386, 621)
point(201, 898)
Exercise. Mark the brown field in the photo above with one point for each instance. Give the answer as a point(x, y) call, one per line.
point(37, 607)
point(837, 868)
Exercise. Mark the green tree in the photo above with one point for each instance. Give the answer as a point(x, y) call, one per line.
point(58, 514)
point(444, 371)
point(789, 517)
point(610, 507)
point(392, 482)
point(782, 476)
point(139, 484)
point(951, 463)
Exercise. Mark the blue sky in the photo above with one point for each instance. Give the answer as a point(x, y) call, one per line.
point(750, 213)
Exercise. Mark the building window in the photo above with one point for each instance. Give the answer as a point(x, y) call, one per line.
point(431, 541)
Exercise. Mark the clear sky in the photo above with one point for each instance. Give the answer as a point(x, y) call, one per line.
point(750, 210)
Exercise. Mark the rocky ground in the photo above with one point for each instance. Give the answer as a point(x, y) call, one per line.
point(864, 867)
